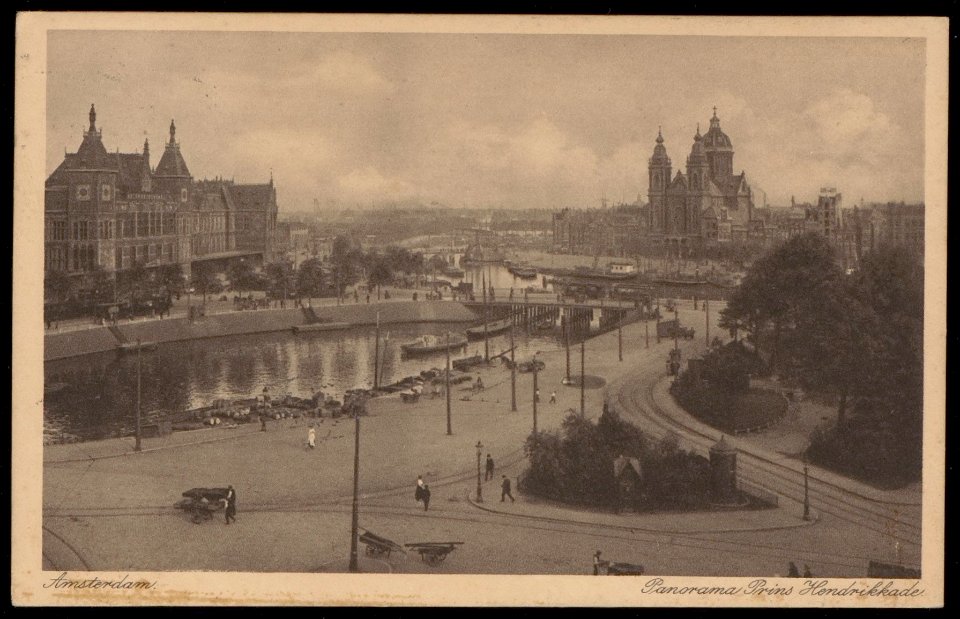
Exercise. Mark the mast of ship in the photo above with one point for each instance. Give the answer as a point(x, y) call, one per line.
point(486, 341)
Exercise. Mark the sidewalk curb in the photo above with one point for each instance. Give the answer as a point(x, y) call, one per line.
point(813, 521)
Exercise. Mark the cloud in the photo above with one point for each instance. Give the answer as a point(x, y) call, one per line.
point(368, 183)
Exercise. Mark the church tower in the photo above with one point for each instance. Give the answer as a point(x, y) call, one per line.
point(719, 151)
point(659, 169)
point(698, 176)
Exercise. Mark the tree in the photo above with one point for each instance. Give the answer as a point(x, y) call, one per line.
point(56, 286)
point(279, 276)
point(345, 260)
point(310, 278)
point(171, 276)
point(778, 288)
point(242, 276)
point(203, 280)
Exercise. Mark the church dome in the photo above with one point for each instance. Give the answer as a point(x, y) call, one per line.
point(716, 139)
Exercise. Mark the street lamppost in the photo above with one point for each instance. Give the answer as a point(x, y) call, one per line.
point(479, 487)
point(513, 370)
point(355, 515)
point(446, 389)
point(806, 489)
point(137, 445)
point(536, 392)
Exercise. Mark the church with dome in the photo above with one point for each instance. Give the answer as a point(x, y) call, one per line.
point(707, 204)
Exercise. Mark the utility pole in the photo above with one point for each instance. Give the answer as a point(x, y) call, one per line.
point(620, 337)
point(513, 372)
point(139, 364)
point(486, 317)
point(536, 371)
point(355, 517)
point(376, 357)
point(706, 308)
point(806, 493)
point(583, 377)
point(676, 327)
point(479, 485)
point(566, 341)
point(646, 332)
point(447, 386)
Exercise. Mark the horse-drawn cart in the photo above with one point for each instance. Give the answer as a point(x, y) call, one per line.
point(434, 553)
point(377, 545)
point(202, 503)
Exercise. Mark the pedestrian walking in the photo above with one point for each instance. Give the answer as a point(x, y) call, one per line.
point(263, 422)
point(230, 513)
point(426, 497)
point(418, 492)
point(489, 472)
point(553, 397)
point(597, 563)
point(311, 437)
point(505, 490)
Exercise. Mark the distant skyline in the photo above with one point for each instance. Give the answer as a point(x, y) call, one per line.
point(490, 120)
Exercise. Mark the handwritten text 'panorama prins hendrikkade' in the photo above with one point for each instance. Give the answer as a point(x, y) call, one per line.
point(62, 582)
point(809, 587)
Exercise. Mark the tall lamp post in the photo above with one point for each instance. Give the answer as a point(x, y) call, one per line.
point(583, 377)
point(536, 389)
point(137, 445)
point(806, 489)
point(513, 371)
point(355, 515)
point(447, 386)
point(479, 486)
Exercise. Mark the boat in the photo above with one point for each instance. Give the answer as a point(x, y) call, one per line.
point(492, 328)
point(321, 326)
point(523, 272)
point(465, 364)
point(126, 347)
point(454, 272)
point(428, 344)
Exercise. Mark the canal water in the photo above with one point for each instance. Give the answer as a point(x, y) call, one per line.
point(94, 396)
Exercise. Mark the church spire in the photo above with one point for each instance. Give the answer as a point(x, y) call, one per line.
point(660, 134)
point(173, 132)
point(93, 118)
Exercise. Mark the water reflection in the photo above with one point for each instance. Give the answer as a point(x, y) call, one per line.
point(95, 396)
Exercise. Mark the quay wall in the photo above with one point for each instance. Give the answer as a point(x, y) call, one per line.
point(61, 345)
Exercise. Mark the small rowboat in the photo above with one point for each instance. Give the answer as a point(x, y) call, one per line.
point(428, 344)
point(497, 326)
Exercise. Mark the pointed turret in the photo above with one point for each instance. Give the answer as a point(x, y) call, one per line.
point(93, 118)
point(146, 184)
point(172, 175)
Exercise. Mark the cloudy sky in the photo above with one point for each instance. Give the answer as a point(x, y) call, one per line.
point(496, 120)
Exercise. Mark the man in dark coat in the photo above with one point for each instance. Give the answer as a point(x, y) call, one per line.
point(505, 486)
point(230, 512)
point(426, 497)
point(489, 472)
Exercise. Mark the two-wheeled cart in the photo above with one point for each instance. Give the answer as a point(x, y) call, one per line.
point(433, 553)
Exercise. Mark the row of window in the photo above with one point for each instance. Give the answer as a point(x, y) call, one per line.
point(130, 255)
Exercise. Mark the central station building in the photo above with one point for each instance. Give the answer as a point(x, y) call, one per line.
point(111, 211)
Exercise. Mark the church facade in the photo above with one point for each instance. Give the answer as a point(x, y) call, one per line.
point(709, 203)
point(111, 211)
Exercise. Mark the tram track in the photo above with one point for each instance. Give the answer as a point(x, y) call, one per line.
point(829, 498)
point(655, 539)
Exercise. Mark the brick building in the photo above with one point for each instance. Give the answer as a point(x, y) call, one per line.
point(112, 211)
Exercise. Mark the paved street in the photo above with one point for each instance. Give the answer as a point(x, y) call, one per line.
point(108, 508)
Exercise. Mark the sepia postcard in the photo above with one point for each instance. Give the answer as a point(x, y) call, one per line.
point(435, 310)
